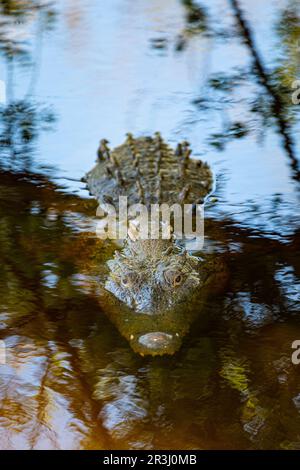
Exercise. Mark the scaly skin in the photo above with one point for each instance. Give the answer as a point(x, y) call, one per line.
point(156, 285)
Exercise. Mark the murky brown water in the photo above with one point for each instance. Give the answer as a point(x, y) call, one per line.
point(70, 380)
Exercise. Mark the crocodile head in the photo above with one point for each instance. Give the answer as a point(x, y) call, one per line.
point(152, 276)
point(154, 283)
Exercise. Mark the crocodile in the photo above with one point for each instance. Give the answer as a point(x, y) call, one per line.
point(154, 288)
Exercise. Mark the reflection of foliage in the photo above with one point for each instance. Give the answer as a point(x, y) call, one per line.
point(288, 69)
point(235, 130)
point(196, 23)
point(31, 228)
point(82, 386)
point(263, 77)
point(20, 125)
point(226, 83)
point(196, 16)
point(21, 10)
point(21, 120)
point(15, 16)
point(39, 253)
point(267, 101)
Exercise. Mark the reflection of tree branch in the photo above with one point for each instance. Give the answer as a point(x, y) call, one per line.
point(277, 104)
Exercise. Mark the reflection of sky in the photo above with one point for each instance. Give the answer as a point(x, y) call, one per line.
point(103, 79)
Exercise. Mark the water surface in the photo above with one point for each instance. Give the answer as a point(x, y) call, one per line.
point(77, 71)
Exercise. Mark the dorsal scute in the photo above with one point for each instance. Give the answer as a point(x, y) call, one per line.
point(148, 171)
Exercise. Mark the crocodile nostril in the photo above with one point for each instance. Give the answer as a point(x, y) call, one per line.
point(156, 340)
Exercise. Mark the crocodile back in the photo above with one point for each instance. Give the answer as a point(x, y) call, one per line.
point(148, 171)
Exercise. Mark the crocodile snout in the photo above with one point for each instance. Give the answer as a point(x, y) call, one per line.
point(157, 343)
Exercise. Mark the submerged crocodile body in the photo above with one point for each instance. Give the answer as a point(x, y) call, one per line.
point(154, 287)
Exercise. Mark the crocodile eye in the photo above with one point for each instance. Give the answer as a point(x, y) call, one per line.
point(177, 280)
point(128, 279)
point(173, 278)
